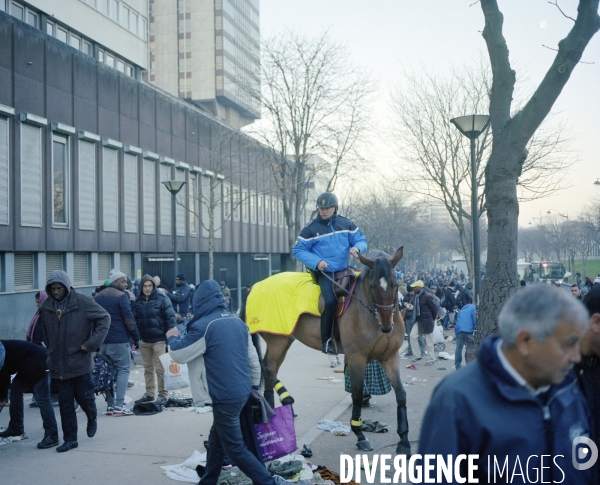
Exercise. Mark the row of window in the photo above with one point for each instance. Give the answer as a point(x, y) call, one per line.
point(30, 268)
point(121, 13)
point(228, 201)
point(64, 34)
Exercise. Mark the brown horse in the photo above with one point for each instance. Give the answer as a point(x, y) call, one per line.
point(370, 329)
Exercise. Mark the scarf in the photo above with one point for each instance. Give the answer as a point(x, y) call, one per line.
point(417, 303)
point(36, 317)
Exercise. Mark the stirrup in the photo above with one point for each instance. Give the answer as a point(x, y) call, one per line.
point(330, 347)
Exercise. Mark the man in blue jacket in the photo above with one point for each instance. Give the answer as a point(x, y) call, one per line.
point(323, 246)
point(180, 295)
point(464, 328)
point(232, 369)
point(517, 406)
point(116, 349)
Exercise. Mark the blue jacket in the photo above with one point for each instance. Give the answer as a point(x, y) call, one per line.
point(466, 319)
point(122, 323)
point(482, 410)
point(180, 297)
point(328, 240)
point(232, 366)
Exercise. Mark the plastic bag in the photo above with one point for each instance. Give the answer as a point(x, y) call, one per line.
point(277, 437)
point(176, 375)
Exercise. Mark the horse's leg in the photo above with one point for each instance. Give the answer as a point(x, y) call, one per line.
point(284, 396)
point(275, 345)
point(392, 370)
point(356, 368)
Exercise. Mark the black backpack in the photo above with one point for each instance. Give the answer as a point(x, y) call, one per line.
point(103, 380)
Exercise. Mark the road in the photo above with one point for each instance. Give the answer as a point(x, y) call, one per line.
point(130, 449)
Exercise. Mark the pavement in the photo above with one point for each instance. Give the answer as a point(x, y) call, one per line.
point(131, 449)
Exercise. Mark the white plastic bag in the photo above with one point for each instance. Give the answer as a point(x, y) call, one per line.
point(438, 335)
point(176, 375)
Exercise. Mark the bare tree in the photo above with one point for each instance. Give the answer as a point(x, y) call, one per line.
point(314, 113)
point(436, 156)
point(509, 153)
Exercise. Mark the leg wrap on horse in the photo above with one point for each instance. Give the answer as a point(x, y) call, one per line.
point(270, 398)
point(284, 395)
point(356, 424)
point(402, 419)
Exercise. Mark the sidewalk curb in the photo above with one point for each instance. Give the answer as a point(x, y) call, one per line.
point(308, 437)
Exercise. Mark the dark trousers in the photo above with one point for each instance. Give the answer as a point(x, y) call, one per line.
point(330, 304)
point(226, 438)
point(80, 389)
point(41, 394)
point(409, 325)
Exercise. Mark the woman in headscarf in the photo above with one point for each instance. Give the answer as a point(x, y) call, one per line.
point(35, 332)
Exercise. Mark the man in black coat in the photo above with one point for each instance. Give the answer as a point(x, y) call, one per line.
point(425, 314)
point(155, 316)
point(28, 362)
point(74, 327)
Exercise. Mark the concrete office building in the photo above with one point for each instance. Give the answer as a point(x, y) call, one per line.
point(83, 151)
point(207, 52)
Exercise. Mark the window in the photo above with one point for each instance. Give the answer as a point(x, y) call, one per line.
point(81, 269)
point(126, 264)
point(218, 212)
point(149, 200)
point(274, 211)
point(61, 34)
point(226, 202)
point(87, 186)
point(133, 22)
point(124, 16)
point(24, 271)
point(193, 201)
point(142, 29)
point(267, 210)
point(60, 181)
point(129, 70)
point(165, 201)
point(49, 28)
point(32, 18)
point(110, 60)
point(75, 41)
point(244, 203)
point(103, 6)
point(236, 203)
point(252, 207)
point(87, 48)
point(110, 190)
point(261, 210)
point(120, 66)
point(181, 204)
point(114, 9)
point(205, 205)
point(17, 10)
point(2, 6)
point(131, 193)
point(91, 3)
point(104, 266)
point(101, 56)
point(54, 262)
point(31, 176)
point(4, 171)
point(280, 217)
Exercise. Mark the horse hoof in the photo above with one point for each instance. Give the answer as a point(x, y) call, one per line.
point(403, 450)
point(364, 445)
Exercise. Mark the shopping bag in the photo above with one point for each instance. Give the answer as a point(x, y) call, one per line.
point(176, 375)
point(277, 437)
point(103, 380)
point(438, 334)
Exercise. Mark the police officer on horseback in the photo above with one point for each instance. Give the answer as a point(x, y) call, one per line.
point(323, 246)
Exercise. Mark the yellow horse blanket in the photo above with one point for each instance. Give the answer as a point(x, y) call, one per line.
point(274, 305)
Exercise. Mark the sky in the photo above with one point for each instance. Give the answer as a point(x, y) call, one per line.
point(387, 36)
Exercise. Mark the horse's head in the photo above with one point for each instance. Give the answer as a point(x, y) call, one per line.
point(383, 286)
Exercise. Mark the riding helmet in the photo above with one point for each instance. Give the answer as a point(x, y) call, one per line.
point(326, 200)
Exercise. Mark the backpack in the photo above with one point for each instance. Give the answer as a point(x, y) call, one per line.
point(103, 380)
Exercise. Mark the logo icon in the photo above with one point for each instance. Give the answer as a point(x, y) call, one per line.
point(584, 456)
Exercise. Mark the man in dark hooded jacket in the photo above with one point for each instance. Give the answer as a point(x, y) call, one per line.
point(154, 316)
point(74, 327)
point(232, 369)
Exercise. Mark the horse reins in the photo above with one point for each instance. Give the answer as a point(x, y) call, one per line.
point(372, 310)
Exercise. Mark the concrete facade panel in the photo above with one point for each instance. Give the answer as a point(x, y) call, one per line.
point(59, 107)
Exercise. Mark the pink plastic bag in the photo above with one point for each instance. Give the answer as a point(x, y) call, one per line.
point(277, 438)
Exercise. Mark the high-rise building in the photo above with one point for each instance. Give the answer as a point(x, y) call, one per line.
point(207, 52)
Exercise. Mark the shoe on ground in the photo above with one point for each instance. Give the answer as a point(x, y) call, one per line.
point(130, 384)
point(417, 359)
point(144, 398)
point(48, 442)
point(34, 404)
point(7, 433)
point(161, 400)
point(122, 411)
point(66, 446)
point(54, 399)
point(92, 427)
point(110, 411)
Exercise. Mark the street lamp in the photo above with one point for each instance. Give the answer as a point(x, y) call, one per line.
point(174, 186)
point(472, 126)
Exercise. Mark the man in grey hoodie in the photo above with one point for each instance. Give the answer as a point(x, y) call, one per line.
point(74, 327)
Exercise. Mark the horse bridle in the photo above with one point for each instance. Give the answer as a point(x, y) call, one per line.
point(372, 310)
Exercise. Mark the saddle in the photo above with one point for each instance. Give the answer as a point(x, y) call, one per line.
point(346, 279)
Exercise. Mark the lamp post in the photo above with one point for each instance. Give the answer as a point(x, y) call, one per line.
point(472, 126)
point(174, 186)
